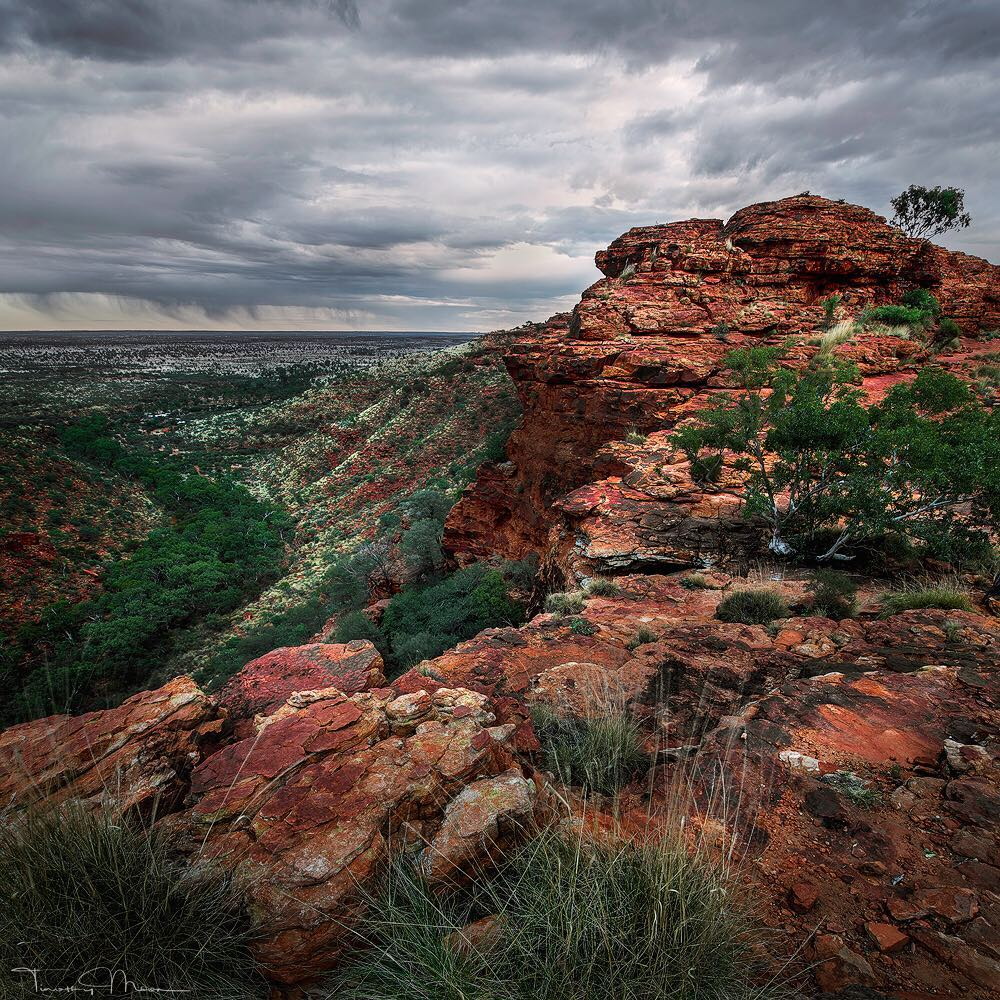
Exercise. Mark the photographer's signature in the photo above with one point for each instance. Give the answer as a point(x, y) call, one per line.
point(101, 981)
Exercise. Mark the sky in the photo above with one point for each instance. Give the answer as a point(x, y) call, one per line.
point(447, 164)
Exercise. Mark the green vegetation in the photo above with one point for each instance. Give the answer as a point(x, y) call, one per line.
point(897, 316)
point(642, 637)
point(952, 631)
point(83, 892)
point(854, 788)
point(600, 753)
point(569, 602)
point(834, 594)
point(574, 918)
point(696, 581)
point(423, 621)
point(924, 463)
point(580, 626)
point(924, 213)
point(935, 596)
point(599, 587)
point(830, 305)
point(752, 607)
point(220, 546)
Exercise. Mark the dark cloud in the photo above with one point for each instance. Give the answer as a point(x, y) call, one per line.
point(433, 164)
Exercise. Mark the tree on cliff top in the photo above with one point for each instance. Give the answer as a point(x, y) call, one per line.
point(924, 213)
point(827, 472)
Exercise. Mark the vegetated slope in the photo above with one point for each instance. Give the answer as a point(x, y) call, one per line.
point(345, 455)
point(62, 518)
point(335, 457)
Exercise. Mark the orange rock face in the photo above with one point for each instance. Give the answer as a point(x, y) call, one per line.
point(122, 759)
point(644, 347)
point(264, 684)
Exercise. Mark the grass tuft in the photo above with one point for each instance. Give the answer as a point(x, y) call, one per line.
point(915, 598)
point(82, 892)
point(752, 607)
point(642, 637)
point(600, 753)
point(570, 602)
point(600, 587)
point(574, 918)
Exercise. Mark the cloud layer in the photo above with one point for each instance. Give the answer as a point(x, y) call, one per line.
point(432, 164)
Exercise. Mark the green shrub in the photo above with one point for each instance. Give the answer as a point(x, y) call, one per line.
point(830, 304)
point(948, 329)
point(421, 547)
point(570, 602)
point(856, 789)
point(635, 436)
point(720, 331)
point(834, 594)
point(924, 462)
point(580, 626)
point(913, 599)
point(600, 587)
point(357, 625)
point(897, 316)
point(575, 918)
point(695, 581)
point(83, 892)
point(423, 622)
point(920, 298)
point(752, 607)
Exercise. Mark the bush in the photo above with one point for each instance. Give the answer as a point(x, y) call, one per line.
point(575, 918)
point(948, 329)
point(856, 789)
point(600, 753)
point(570, 602)
point(829, 305)
point(357, 625)
point(913, 599)
point(696, 581)
point(920, 298)
point(580, 626)
point(897, 316)
point(421, 547)
point(82, 892)
point(752, 607)
point(599, 587)
point(423, 622)
point(834, 594)
point(924, 462)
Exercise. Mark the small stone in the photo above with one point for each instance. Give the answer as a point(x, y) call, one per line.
point(887, 937)
point(799, 762)
point(802, 897)
point(837, 966)
point(951, 904)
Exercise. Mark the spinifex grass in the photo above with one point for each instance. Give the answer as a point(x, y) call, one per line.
point(83, 895)
point(575, 918)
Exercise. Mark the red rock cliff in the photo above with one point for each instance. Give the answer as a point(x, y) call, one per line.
point(647, 339)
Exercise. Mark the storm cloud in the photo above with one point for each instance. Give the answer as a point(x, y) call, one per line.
point(448, 165)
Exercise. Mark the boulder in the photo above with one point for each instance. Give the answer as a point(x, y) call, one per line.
point(264, 684)
point(136, 757)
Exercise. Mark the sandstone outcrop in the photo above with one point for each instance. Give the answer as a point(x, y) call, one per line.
point(643, 348)
point(312, 806)
point(134, 757)
point(264, 684)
